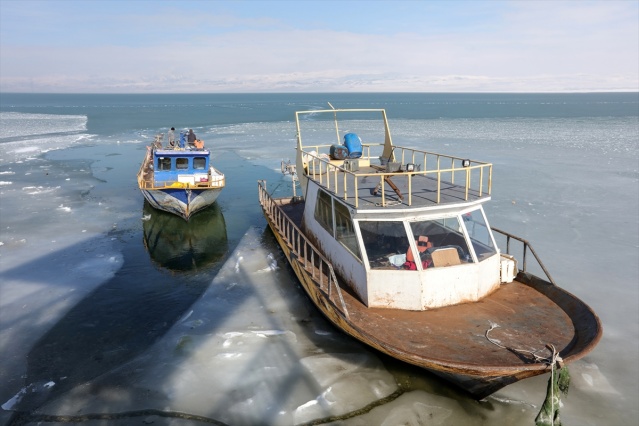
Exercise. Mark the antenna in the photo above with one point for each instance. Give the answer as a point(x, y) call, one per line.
point(335, 118)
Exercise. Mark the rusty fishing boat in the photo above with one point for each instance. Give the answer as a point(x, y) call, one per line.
point(179, 178)
point(393, 246)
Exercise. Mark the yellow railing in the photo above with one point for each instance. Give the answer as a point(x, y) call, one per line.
point(302, 250)
point(149, 184)
point(475, 176)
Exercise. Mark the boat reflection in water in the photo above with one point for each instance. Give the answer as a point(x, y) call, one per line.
point(183, 246)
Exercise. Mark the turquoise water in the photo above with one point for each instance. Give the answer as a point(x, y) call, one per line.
point(113, 113)
point(91, 281)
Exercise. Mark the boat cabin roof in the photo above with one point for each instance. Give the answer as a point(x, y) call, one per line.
point(374, 175)
point(181, 153)
point(373, 190)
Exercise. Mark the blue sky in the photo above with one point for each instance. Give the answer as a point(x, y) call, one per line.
point(136, 46)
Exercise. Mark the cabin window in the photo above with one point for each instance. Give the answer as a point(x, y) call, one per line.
point(440, 242)
point(344, 231)
point(199, 163)
point(385, 242)
point(324, 211)
point(164, 163)
point(480, 235)
point(181, 163)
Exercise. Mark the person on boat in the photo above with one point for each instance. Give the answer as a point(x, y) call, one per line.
point(422, 245)
point(172, 137)
point(191, 138)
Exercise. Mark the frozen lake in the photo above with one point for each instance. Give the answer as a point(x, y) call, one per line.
point(107, 317)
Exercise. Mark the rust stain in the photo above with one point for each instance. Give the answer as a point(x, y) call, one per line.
point(451, 341)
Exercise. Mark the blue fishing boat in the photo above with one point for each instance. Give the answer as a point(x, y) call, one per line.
point(179, 179)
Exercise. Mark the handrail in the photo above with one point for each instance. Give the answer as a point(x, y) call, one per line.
point(327, 174)
point(301, 247)
point(526, 247)
point(148, 184)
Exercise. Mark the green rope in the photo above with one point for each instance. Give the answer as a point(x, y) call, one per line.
point(558, 383)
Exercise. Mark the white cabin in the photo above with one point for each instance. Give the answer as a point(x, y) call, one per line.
point(394, 223)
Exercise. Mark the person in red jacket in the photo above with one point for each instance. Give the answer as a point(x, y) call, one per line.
point(422, 245)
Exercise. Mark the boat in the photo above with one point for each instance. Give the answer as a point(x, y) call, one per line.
point(179, 179)
point(178, 245)
point(392, 244)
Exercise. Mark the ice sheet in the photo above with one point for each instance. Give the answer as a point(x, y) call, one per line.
point(245, 354)
point(253, 347)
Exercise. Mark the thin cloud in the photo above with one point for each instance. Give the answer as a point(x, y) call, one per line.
point(509, 46)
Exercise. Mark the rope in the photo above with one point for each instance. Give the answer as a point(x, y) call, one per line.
point(561, 380)
point(533, 353)
point(552, 388)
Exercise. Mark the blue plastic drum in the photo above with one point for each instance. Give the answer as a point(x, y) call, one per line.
point(353, 143)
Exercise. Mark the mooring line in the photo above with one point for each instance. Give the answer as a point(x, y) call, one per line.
point(24, 417)
point(355, 413)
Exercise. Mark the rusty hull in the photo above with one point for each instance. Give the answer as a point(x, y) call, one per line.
point(522, 317)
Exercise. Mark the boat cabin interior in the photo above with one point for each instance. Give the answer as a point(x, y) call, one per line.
point(429, 243)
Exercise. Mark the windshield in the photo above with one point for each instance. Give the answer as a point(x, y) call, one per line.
point(479, 233)
point(436, 243)
point(383, 240)
point(444, 241)
point(427, 243)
